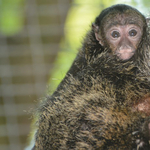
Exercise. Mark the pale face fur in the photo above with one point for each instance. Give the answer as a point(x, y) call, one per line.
point(122, 34)
point(123, 40)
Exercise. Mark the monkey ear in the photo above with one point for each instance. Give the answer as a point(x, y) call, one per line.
point(95, 27)
point(97, 35)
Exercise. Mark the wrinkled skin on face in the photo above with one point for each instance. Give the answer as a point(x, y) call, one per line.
point(123, 40)
point(121, 34)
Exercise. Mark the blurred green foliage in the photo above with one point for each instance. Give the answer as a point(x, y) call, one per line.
point(78, 22)
point(11, 16)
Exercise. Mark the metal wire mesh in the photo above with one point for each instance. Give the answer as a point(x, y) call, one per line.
point(26, 60)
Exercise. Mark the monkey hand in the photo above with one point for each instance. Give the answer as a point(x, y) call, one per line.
point(139, 141)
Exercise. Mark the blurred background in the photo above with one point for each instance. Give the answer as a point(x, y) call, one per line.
point(38, 41)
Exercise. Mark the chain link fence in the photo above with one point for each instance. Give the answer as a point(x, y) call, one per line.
point(26, 61)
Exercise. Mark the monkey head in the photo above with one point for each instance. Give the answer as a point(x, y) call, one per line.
point(120, 28)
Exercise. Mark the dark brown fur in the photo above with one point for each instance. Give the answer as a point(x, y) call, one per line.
point(93, 107)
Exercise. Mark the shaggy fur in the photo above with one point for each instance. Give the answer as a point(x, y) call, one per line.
point(92, 109)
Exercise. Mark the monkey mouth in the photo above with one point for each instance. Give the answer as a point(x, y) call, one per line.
point(125, 54)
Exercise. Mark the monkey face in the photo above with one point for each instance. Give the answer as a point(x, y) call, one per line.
point(121, 32)
point(123, 40)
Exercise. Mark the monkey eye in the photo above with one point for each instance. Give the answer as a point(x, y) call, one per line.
point(132, 32)
point(115, 34)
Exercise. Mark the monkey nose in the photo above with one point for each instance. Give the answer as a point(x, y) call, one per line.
point(125, 45)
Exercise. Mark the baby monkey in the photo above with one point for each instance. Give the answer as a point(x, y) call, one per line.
point(121, 32)
point(103, 103)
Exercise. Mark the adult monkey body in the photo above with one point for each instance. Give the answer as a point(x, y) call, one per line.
point(103, 103)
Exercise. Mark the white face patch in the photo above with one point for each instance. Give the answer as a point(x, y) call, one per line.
point(123, 40)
